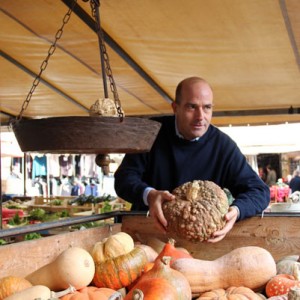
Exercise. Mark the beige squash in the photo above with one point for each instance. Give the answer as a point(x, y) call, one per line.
point(74, 266)
point(250, 267)
point(115, 245)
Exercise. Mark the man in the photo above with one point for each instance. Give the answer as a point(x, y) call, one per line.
point(295, 181)
point(189, 148)
point(271, 176)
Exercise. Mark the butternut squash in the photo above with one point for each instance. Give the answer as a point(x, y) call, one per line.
point(74, 266)
point(33, 292)
point(250, 267)
point(39, 292)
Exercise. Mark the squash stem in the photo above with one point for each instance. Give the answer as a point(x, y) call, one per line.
point(69, 290)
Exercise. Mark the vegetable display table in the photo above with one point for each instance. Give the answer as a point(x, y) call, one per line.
point(277, 233)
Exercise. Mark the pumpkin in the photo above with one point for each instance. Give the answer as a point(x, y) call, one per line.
point(232, 293)
point(197, 211)
point(113, 246)
point(154, 289)
point(249, 266)
point(74, 266)
point(161, 282)
point(282, 283)
point(121, 271)
point(285, 264)
point(92, 293)
point(12, 284)
point(170, 250)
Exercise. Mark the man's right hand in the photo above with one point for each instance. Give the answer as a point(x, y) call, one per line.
point(155, 200)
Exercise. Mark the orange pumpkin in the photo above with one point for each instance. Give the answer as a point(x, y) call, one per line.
point(170, 250)
point(121, 271)
point(232, 293)
point(10, 285)
point(91, 293)
point(154, 289)
point(281, 284)
point(161, 282)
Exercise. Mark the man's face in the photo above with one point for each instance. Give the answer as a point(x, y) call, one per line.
point(194, 112)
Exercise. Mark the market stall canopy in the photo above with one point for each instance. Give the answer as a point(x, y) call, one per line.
point(247, 50)
point(279, 138)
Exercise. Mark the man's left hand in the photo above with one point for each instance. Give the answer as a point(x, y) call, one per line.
point(230, 218)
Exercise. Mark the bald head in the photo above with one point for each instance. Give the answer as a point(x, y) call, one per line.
point(186, 83)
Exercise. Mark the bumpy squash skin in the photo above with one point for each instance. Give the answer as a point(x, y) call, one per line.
point(74, 266)
point(121, 271)
point(10, 285)
point(197, 211)
point(251, 267)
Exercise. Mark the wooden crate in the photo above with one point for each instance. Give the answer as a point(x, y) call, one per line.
point(40, 200)
point(279, 235)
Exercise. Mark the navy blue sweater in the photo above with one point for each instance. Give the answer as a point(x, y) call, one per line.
point(173, 161)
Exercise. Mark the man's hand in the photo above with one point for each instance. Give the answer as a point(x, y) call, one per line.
point(230, 218)
point(155, 200)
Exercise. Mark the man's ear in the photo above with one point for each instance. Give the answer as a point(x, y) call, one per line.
point(174, 106)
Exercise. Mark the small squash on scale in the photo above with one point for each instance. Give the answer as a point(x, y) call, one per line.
point(197, 211)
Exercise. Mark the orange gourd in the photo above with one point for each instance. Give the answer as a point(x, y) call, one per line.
point(154, 289)
point(170, 250)
point(121, 271)
point(281, 284)
point(161, 282)
point(232, 293)
point(92, 293)
point(10, 285)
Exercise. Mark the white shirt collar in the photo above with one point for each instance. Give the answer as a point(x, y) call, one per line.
point(181, 136)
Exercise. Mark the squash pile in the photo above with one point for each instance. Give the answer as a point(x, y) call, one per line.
point(118, 269)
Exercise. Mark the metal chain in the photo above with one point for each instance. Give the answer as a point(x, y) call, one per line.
point(46, 60)
point(103, 51)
